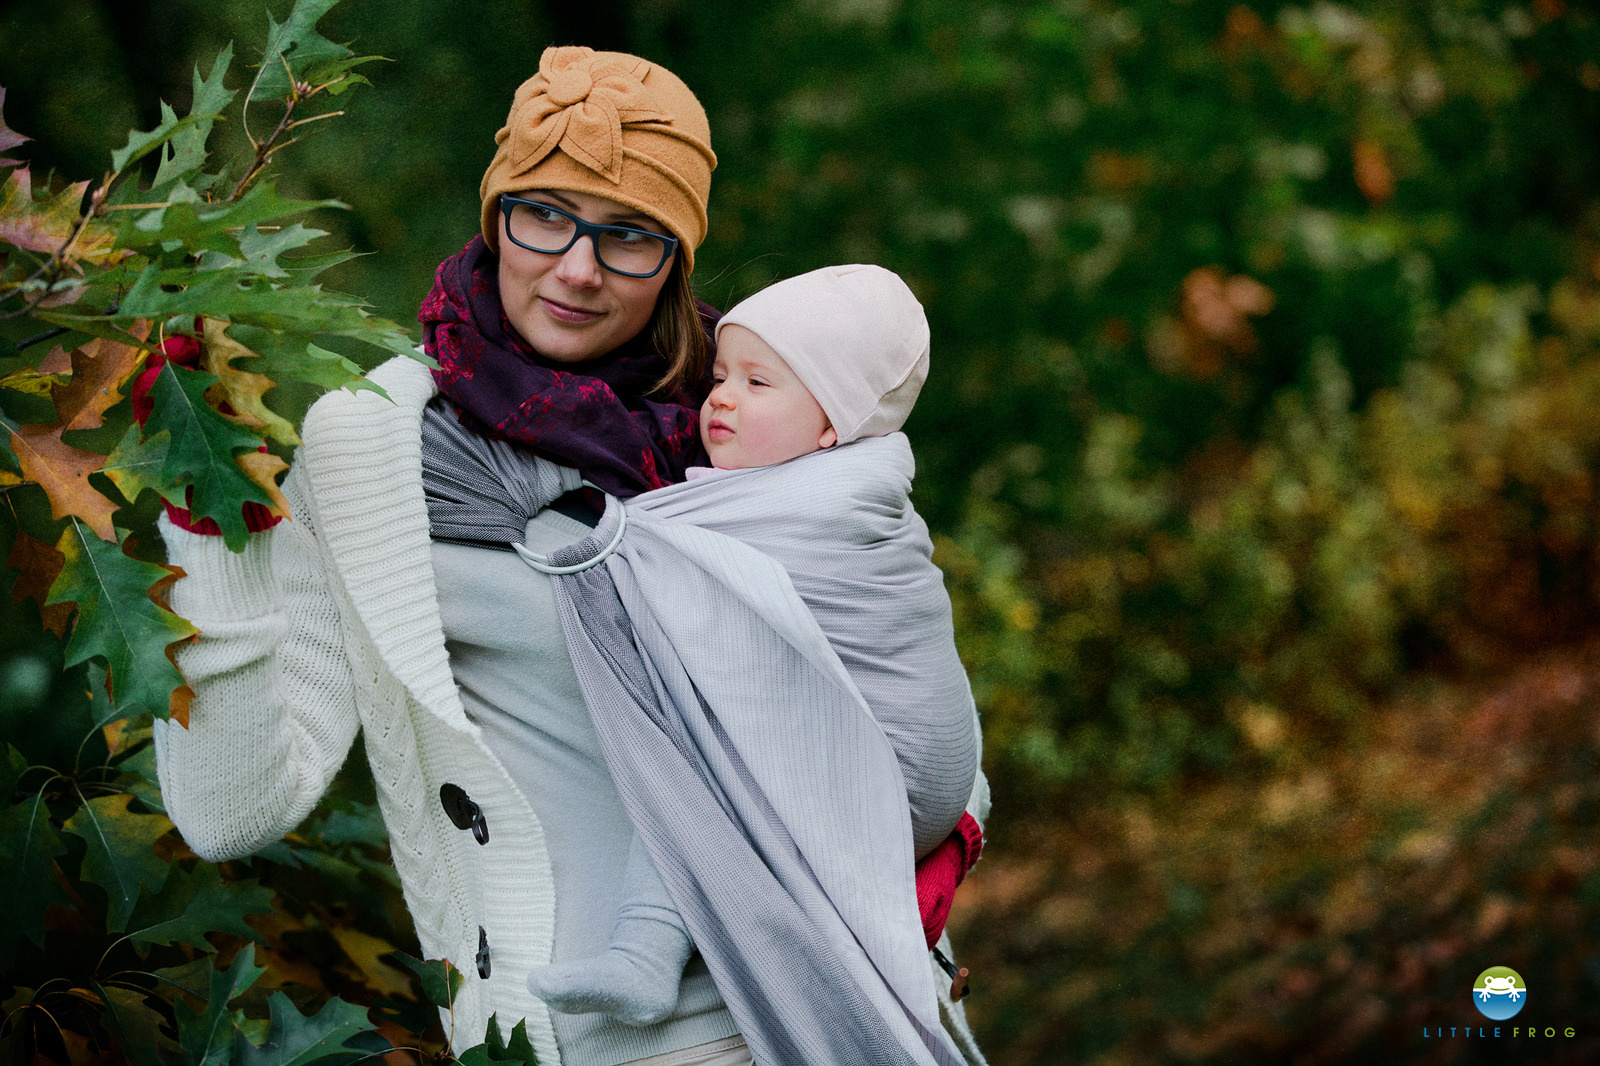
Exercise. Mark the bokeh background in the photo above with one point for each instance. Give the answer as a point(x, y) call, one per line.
point(1260, 449)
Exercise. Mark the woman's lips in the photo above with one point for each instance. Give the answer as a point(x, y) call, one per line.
point(561, 312)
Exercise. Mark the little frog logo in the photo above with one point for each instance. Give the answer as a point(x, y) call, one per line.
point(1499, 993)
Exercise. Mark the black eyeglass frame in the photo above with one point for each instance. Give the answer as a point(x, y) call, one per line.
point(592, 230)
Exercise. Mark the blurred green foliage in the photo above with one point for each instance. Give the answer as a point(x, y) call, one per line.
point(1193, 269)
point(1266, 357)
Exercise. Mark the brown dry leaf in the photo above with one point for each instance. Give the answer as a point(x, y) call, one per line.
point(1243, 27)
point(284, 964)
point(1221, 307)
point(1374, 176)
point(98, 369)
point(263, 468)
point(40, 565)
point(81, 1051)
point(63, 472)
point(115, 733)
point(45, 226)
point(240, 389)
point(1118, 170)
point(183, 695)
point(9, 138)
point(365, 952)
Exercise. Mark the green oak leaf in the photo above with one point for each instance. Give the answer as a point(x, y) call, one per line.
point(28, 848)
point(238, 296)
point(102, 708)
point(234, 295)
point(139, 777)
point(440, 980)
point(185, 153)
point(260, 251)
point(117, 620)
point(212, 224)
point(135, 1024)
point(293, 357)
point(294, 1039)
point(192, 978)
point(197, 904)
point(496, 1050)
point(207, 1035)
point(303, 269)
point(136, 463)
point(360, 823)
point(336, 75)
point(12, 767)
point(296, 41)
point(142, 143)
point(201, 451)
point(121, 858)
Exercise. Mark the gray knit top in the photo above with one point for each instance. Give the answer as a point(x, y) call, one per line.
point(510, 661)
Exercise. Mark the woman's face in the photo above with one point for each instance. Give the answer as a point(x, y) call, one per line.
point(569, 307)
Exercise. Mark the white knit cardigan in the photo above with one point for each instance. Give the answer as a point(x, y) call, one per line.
point(330, 623)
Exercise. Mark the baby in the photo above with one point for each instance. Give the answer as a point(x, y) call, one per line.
point(812, 363)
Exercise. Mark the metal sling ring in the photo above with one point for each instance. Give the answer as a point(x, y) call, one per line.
point(542, 562)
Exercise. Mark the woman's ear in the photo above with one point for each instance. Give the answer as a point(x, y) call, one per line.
point(828, 439)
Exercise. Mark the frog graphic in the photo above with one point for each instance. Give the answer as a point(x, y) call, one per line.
point(1499, 993)
point(1499, 986)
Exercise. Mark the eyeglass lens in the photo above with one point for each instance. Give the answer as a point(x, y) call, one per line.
point(545, 229)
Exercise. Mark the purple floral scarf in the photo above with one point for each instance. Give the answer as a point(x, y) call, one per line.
point(595, 418)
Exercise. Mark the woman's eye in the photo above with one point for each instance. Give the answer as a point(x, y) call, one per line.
point(626, 236)
point(546, 214)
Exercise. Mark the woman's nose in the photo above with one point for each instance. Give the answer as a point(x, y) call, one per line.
point(578, 266)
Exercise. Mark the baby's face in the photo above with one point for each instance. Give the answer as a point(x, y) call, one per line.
point(759, 413)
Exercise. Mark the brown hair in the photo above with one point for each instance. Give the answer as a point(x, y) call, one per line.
point(677, 332)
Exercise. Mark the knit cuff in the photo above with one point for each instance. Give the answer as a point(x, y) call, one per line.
point(969, 837)
point(221, 585)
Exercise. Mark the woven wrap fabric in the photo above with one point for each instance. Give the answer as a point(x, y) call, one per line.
point(594, 416)
point(733, 650)
point(480, 490)
point(769, 659)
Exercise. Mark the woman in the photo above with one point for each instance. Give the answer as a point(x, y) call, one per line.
point(568, 328)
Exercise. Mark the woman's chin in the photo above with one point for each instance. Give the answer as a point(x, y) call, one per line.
point(562, 342)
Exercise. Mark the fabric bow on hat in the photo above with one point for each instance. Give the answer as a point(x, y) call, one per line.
point(579, 104)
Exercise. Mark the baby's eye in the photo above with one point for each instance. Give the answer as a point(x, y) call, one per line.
point(757, 381)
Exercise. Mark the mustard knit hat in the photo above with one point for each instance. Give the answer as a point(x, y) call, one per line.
point(612, 125)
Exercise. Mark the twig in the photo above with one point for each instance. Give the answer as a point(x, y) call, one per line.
point(264, 148)
point(136, 207)
point(314, 118)
point(38, 338)
point(50, 267)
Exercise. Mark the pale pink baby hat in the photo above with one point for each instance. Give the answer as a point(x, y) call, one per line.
point(854, 335)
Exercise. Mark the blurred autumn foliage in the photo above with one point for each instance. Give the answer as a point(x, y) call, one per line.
point(1260, 450)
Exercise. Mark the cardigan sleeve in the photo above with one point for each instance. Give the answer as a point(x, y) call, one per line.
point(274, 710)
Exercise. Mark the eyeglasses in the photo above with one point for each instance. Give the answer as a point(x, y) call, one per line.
point(633, 253)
